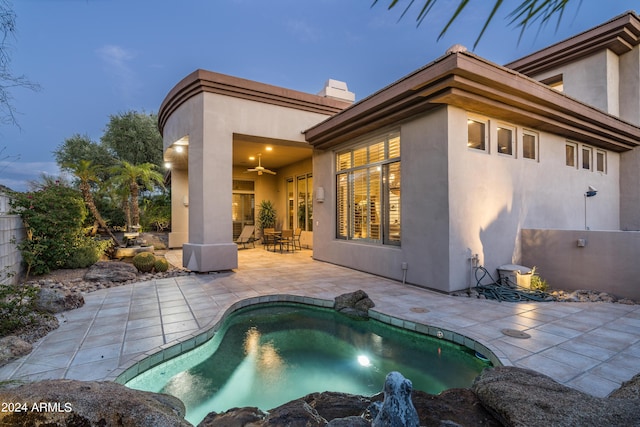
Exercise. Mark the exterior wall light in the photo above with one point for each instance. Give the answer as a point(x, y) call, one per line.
point(320, 195)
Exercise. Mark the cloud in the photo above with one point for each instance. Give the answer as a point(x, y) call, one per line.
point(117, 60)
point(17, 175)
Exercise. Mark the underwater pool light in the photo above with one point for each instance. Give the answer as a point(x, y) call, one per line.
point(364, 360)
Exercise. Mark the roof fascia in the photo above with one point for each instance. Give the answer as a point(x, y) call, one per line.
point(619, 35)
point(467, 81)
point(202, 81)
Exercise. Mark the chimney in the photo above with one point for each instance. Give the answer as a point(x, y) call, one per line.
point(337, 90)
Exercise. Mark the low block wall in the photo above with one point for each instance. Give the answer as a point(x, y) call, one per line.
point(11, 232)
point(607, 261)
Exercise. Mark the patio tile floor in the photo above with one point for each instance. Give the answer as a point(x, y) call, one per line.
point(592, 347)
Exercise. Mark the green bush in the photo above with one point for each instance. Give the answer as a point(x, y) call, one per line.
point(156, 213)
point(144, 262)
point(86, 252)
point(17, 307)
point(537, 282)
point(161, 265)
point(53, 217)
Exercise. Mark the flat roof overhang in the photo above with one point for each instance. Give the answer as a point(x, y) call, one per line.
point(472, 83)
point(620, 35)
point(203, 81)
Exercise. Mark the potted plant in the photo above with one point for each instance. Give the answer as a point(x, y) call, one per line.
point(266, 215)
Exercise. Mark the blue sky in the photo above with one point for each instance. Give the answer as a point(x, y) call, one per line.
point(95, 58)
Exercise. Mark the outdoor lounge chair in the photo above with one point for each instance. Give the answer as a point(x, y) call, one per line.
point(246, 236)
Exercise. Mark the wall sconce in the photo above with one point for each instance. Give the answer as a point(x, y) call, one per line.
point(185, 201)
point(320, 195)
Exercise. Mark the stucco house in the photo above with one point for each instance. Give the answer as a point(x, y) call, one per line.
point(534, 163)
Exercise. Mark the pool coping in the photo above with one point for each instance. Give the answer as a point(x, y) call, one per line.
point(178, 347)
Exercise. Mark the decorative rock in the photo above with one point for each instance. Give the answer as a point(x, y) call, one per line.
point(521, 397)
point(628, 390)
point(297, 413)
point(81, 403)
point(234, 417)
point(12, 347)
point(58, 300)
point(111, 271)
point(397, 409)
point(352, 421)
point(356, 304)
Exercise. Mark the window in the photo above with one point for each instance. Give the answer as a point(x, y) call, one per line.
point(300, 202)
point(586, 158)
point(529, 145)
point(555, 82)
point(601, 161)
point(242, 205)
point(477, 134)
point(571, 151)
point(505, 140)
point(368, 191)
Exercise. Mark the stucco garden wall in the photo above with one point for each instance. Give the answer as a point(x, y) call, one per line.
point(607, 262)
point(11, 232)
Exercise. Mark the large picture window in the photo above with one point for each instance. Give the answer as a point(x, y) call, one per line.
point(368, 191)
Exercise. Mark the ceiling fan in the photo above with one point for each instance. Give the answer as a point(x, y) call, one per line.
point(260, 169)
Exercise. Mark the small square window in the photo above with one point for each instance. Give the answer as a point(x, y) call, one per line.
point(477, 138)
point(530, 145)
point(505, 141)
point(601, 161)
point(586, 158)
point(571, 151)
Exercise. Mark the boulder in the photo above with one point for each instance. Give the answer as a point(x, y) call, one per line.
point(355, 304)
point(58, 300)
point(297, 413)
point(12, 347)
point(69, 402)
point(521, 397)
point(111, 271)
point(234, 417)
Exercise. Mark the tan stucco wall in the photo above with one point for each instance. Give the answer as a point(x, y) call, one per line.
point(210, 120)
point(457, 202)
point(593, 80)
point(492, 197)
point(179, 208)
point(607, 262)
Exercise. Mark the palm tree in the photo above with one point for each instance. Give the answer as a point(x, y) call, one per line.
point(86, 172)
point(135, 177)
point(523, 15)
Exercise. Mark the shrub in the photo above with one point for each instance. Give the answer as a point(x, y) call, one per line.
point(53, 217)
point(17, 306)
point(144, 262)
point(161, 265)
point(86, 252)
point(537, 282)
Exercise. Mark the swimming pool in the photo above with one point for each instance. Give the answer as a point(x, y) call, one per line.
point(266, 355)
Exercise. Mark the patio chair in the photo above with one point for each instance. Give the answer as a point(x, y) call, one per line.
point(286, 238)
point(296, 239)
point(269, 238)
point(246, 236)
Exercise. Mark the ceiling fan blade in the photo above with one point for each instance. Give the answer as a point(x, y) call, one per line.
point(268, 171)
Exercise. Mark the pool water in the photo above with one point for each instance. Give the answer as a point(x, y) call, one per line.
point(267, 355)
